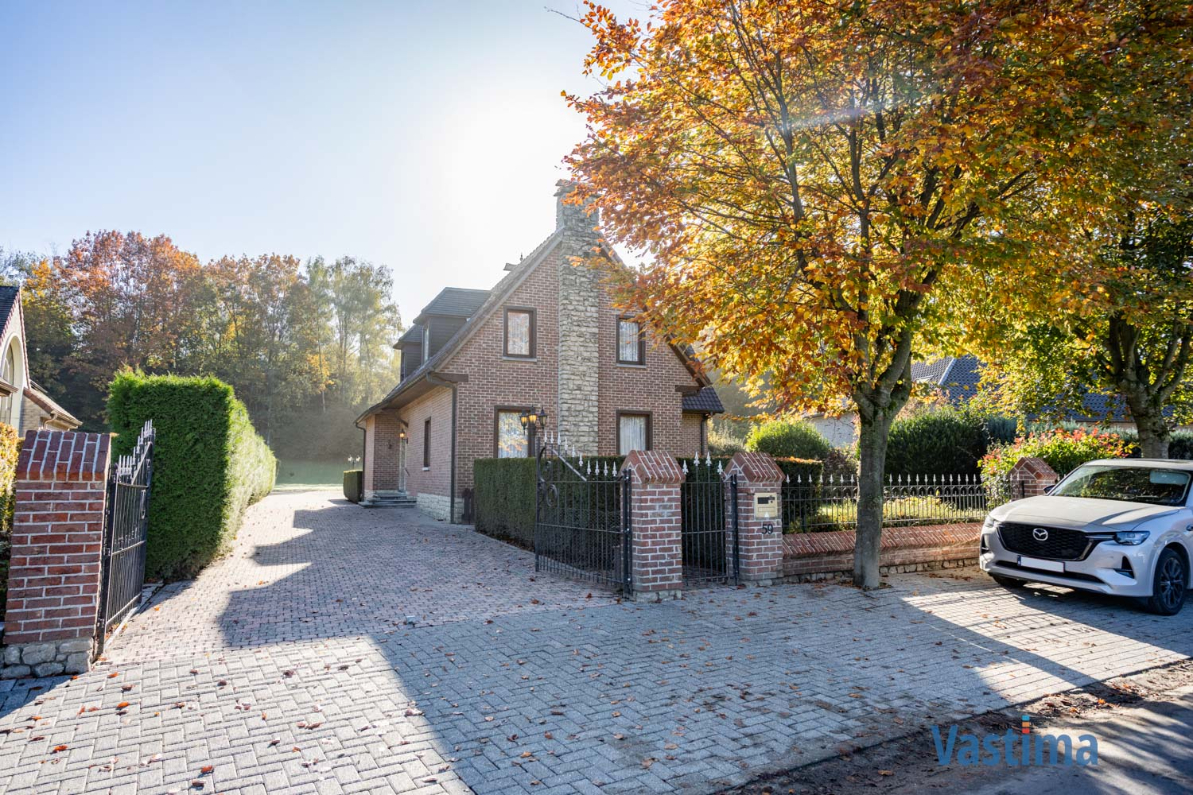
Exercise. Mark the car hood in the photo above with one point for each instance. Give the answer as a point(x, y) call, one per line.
point(1081, 513)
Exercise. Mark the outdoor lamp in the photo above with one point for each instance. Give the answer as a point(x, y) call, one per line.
point(532, 417)
point(401, 435)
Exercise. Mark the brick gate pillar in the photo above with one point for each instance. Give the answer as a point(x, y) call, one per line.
point(657, 549)
point(57, 544)
point(759, 540)
point(1030, 477)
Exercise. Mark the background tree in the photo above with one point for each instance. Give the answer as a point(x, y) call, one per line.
point(1113, 313)
point(803, 175)
point(306, 347)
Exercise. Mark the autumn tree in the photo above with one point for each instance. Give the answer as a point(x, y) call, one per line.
point(801, 176)
point(1113, 312)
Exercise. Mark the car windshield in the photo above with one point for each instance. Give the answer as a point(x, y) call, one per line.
point(1130, 484)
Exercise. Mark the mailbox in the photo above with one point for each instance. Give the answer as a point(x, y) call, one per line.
point(766, 505)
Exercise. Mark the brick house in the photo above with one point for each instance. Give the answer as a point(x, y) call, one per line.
point(547, 336)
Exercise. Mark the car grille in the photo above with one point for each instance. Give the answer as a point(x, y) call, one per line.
point(1061, 544)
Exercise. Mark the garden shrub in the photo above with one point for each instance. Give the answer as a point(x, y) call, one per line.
point(354, 484)
point(785, 439)
point(209, 465)
point(941, 442)
point(723, 444)
point(10, 449)
point(1063, 450)
point(1180, 445)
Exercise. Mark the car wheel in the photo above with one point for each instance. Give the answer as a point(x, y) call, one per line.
point(1168, 584)
point(1007, 582)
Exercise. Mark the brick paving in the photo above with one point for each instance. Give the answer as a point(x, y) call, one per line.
point(288, 666)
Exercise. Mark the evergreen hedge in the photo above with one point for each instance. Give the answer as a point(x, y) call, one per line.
point(504, 496)
point(209, 465)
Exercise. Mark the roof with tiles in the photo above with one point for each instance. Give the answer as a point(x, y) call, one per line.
point(706, 401)
point(454, 302)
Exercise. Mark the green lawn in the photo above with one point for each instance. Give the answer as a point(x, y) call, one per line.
point(297, 475)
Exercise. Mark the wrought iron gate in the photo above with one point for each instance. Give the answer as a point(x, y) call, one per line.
point(125, 526)
point(709, 524)
point(582, 522)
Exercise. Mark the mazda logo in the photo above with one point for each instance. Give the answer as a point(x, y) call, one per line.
point(1039, 534)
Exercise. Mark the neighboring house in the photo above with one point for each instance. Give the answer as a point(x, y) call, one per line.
point(958, 379)
point(22, 404)
point(545, 337)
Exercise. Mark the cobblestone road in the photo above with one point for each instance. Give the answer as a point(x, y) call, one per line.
point(289, 667)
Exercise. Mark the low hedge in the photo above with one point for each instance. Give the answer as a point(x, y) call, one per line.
point(10, 449)
point(504, 491)
point(786, 439)
point(354, 485)
point(947, 441)
point(209, 465)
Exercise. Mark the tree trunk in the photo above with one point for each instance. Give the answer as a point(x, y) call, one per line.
point(1153, 434)
point(872, 443)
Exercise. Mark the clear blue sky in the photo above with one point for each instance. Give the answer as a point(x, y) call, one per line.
point(423, 135)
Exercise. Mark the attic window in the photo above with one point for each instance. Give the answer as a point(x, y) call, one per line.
point(519, 333)
point(631, 342)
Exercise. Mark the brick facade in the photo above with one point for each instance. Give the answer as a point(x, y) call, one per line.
point(57, 541)
point(573, 376)
point(657, 566)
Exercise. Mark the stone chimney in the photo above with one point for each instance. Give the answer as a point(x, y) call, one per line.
point(579, 303)
point(580, 220)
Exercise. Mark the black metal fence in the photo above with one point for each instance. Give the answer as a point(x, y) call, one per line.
point(709, 532)
point(582, 525)
point(830, 503)
point(125, 527)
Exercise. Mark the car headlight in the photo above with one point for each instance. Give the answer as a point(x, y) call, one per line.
point(1131, 538)
point(990, 523)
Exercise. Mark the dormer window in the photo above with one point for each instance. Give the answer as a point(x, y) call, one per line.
point(631, 342)
point(519, 333)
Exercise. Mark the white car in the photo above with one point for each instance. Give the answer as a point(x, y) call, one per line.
point(1122, 527)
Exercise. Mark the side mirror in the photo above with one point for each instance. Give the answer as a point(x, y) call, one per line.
point(1049, 489)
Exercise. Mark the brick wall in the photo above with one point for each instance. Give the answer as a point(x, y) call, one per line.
point(57, 540)
point(383, 457)
point(817, 555)
point(650, 389)
point(494, 380)
point(436, 479)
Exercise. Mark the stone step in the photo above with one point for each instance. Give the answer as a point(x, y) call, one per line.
point(389, 502)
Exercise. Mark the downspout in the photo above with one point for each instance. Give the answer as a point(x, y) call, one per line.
point(451, 504)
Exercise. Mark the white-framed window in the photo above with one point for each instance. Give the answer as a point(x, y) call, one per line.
point(633, 432)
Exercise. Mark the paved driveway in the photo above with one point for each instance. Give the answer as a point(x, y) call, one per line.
point(289, 666)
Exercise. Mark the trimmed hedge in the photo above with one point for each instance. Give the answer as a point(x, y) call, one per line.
point(504, 498)
point(209, 465)
point(10, 450)
point(354, 484)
